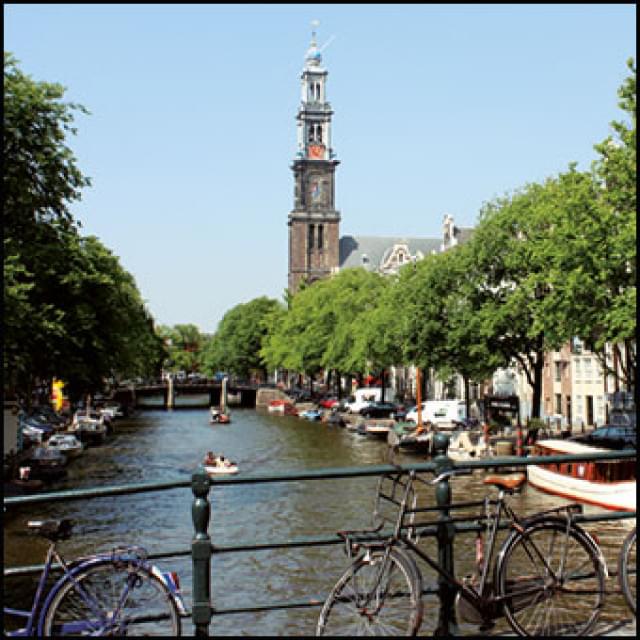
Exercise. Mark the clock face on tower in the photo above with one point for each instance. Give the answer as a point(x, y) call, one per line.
point(316, 151)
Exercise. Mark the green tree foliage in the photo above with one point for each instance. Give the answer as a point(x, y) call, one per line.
point(431, 317)
point(184, 346)
point(71, 311)
point(238, 341)
point(324, 327)
point(507, 268)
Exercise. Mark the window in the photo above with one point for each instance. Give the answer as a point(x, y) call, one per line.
point(320, 238)
point(558, 369)
point(319, 133)
point(318, 91)
point(558, 403)
point(311, 226)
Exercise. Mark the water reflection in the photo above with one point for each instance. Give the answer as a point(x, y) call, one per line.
point(167, 446)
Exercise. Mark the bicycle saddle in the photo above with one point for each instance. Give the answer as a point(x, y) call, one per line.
point(52, 529)
point(509, 481)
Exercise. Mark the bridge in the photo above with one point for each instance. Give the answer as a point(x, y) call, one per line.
point(169, 394)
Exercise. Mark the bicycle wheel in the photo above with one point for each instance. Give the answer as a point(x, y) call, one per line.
point(551, 583)
point(374, 597)
point(110, 599)
point(627, 570)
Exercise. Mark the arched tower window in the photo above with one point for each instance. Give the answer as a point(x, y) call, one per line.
point(318, 91)
point(311, 133)
point(311, 229)
point(319, 132)
point(320, 238)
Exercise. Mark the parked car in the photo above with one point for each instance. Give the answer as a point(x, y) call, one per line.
point(610, 437)
point(379, 410)
point(328, 402)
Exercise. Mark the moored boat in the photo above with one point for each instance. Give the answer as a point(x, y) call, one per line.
point(606, 483)
point(313, 415)
point(411, 438)
point(468, 445)
point(66, 444)
point(90, 428)
point(378, 429)
point(282, 407)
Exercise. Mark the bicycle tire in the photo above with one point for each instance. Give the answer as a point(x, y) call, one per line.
point(534, 603)
point(627, 561)
point(146, 607)
point(401, 580)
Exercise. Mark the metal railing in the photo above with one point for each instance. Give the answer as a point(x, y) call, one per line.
point(202, 548)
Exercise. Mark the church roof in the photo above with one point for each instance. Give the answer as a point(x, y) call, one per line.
point(372, 252)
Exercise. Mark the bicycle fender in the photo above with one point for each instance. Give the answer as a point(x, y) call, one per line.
point(172, 587)
point(66, 577)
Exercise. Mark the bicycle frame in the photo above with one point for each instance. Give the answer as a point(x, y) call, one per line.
point(481, 599)
point(128, 556)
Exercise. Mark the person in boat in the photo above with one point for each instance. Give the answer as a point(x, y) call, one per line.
point(210, 458)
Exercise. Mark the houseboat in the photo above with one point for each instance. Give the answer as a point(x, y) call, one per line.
point(606, 483)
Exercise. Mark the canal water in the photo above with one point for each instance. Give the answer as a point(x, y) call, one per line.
point(158, 445)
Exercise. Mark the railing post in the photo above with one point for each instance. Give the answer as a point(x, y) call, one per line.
point(446, 617)
point(201, 553)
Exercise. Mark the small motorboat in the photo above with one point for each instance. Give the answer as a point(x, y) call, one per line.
point(378, 428)
point(468, 445)
point(282, 407)
point(25, 482)
point(314, 415)
point(218, 417)
point(218, 465)
point(65, 443)
point(336, 419)
point(89, 427)
point(411, 438)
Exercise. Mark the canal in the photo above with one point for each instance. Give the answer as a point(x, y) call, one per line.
point(156, 446)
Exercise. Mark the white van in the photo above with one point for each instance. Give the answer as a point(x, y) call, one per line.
point(442, 413)
point(365, 396)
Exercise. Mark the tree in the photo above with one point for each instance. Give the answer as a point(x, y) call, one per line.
point(325, 324)
point(436, 322)
point(40, 180)
point(71, 311)
point(238, 341)
point(507, 263)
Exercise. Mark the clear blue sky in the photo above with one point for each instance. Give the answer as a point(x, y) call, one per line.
point(438, 108)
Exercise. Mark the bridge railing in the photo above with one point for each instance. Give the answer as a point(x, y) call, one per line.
point(202, 549)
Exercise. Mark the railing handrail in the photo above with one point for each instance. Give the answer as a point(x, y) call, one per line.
point(314, 474)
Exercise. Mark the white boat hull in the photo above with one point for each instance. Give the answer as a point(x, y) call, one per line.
point(619, 496)
point(217, 471)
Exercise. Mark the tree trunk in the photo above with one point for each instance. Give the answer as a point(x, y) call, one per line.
point(467, 402)
point(537, 384)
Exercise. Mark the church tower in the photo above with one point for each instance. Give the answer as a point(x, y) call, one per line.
point(314, 221)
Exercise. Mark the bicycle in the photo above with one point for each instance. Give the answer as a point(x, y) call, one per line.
point(112, 593)
point(547, 577)
point(627, 568)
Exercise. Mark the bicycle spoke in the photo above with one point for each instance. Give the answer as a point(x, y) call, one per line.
point(551, 581)
point(378, 596)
